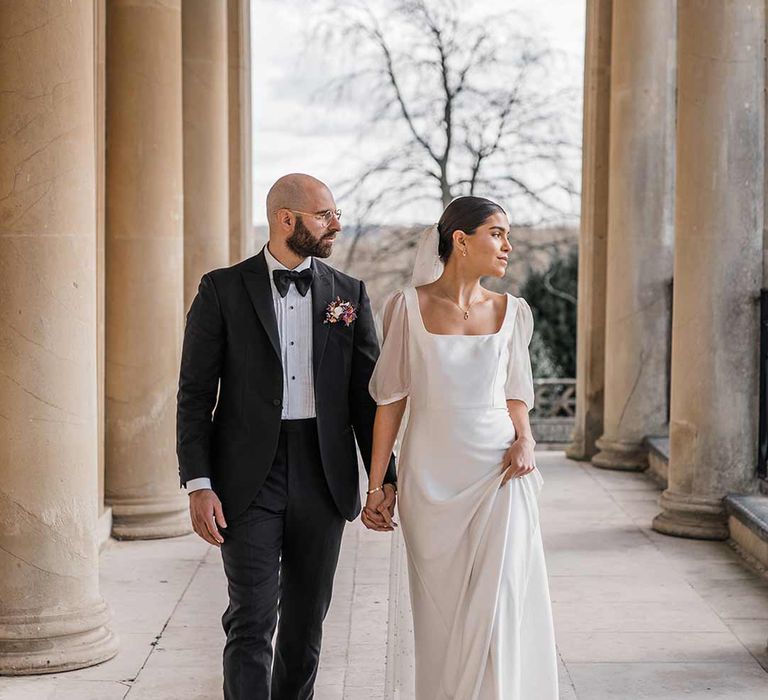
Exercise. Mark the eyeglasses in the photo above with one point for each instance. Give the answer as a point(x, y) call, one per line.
point(325, 216)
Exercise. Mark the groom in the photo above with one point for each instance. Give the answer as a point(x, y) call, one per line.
point(273, 390)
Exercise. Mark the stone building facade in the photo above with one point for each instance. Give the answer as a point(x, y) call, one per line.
point(110, 111)
point(673, 259)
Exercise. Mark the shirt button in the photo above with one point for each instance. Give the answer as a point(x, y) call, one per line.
point(276, 402)
point(293, 377)
point(291, 342)
point(291, 308)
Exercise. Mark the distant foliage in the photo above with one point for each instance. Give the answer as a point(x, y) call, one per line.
point(552, 296)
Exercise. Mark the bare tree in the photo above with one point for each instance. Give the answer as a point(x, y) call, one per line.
point(456, 104)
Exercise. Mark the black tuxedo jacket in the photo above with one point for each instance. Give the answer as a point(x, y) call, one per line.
point(231, 347)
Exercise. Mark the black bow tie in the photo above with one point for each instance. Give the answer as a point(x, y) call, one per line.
point(302, 280)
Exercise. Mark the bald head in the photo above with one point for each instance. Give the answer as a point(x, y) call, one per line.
point(299, 192)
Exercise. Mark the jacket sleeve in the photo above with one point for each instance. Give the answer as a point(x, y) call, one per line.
point(201, 358)
point(365, 352)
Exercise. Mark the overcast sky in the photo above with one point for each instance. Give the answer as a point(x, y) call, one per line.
point(291, 133)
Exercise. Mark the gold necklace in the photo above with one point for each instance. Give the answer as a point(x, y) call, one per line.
point(461, 308)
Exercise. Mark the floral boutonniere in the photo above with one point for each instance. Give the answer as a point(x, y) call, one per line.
point(339, 310)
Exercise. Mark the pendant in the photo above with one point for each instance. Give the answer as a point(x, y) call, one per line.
point(466, 315)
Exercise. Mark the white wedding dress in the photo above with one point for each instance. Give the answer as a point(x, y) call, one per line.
point(482, 616)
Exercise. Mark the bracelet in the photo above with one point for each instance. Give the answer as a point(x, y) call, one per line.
point(381, 488)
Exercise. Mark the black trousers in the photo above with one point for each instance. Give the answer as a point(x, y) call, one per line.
point(280, 555)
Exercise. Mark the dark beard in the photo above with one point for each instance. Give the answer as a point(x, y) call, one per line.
point(304, 244)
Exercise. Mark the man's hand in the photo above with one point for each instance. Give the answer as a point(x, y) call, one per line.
point(205, 511)
point(519, 459)
point(379, 509)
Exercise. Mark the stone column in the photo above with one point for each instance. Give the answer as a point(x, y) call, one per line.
point(145, 264)
point(590, 343)
point(640, 231)
point(100, 9)
point(206, 147)
point(241, 238)
point(52, 617)
point(718, 263)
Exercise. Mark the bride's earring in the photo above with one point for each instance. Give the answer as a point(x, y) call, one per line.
point(464, 252)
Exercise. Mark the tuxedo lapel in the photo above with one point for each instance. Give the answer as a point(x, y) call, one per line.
point(322, 294)
point(256, 280)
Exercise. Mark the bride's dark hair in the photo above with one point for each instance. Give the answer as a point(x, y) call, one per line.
point(465, 214)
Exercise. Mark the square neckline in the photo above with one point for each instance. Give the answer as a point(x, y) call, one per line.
point(460, 335)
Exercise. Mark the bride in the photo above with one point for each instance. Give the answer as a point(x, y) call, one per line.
point(467, 478)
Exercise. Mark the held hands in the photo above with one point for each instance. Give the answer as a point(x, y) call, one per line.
point(519, 460)
point(379, 508)
point(205, 511)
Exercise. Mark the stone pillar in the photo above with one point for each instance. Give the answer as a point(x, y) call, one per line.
point(144, 261)
point(640, 231)
point(52, 617)
point(100, 10)
point(590, 339)
point(241, 239)
point(206, 148)
point(718, 263)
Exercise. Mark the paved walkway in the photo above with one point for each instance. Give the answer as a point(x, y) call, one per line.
point(638, 615)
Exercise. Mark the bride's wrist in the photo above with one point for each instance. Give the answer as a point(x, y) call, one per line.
point(526, 438)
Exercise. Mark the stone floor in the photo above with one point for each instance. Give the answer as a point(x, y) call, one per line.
point(638, 615)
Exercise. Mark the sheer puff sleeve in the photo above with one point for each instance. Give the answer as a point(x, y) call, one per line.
point(391, 376)
point(519, 384)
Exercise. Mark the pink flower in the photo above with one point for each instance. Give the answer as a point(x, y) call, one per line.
point(339, 310)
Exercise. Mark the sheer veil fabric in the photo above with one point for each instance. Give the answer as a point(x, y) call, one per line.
point(400, 678)
point(427, 266)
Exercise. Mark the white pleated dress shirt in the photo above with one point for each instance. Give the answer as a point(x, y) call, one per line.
point(294, 326)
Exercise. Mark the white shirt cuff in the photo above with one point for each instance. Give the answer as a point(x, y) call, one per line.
point(202, 482)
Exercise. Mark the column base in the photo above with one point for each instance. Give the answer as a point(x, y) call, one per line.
point(621, 456)
point(692, 517)
point(582, 447)
point(577, 449)
point(151, 520)
point(52, 643)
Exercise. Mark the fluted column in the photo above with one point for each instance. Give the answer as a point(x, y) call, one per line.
point(206, 147)
point(590, 339)
point(145, 265)
point(52, 617)
point(718, 263)
point(640, 231)
point(241, 238)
